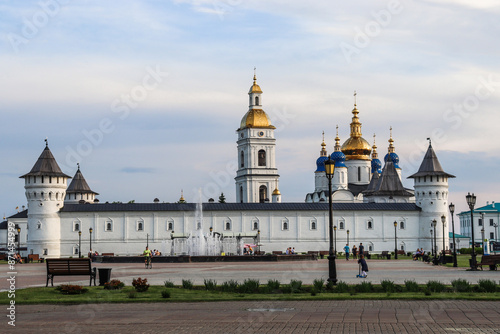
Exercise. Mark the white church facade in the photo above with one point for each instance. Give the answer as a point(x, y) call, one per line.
point(368, 201)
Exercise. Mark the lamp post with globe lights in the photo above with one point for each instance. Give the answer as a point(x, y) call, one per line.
point(471, 202)
point(452, 211)
point(332, 270)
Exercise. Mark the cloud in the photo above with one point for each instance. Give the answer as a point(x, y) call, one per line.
point(133, 170)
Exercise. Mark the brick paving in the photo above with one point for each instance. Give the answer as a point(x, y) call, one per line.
point(260, 316)
point(263, 317)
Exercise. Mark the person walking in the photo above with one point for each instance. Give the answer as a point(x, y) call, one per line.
point(147, 258)
point(354, 252)
point(346, 250)
point(361, 249)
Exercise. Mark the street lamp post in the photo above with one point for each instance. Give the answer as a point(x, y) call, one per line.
point(443, 220)
point(395, 240)
point(79, 244)
point(495, 226)
point(335, 238)
point(434, 223)
point(147, 240)
point(432, 243)
point(258, 241)
point(452, 211)
point(482, 230)
point(90, 231)
point(332, 270)
point(471, 201)
point(348, 237)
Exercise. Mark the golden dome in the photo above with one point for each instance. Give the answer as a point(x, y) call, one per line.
point(356, 147)
point(256, 118)
point(255, 88)
point(276, 192)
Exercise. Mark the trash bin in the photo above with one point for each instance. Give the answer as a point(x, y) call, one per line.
point(104, 275)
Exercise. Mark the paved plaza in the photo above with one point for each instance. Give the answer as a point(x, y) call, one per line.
point(261, 316)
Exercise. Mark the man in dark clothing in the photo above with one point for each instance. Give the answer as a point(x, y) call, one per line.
point(361, 249)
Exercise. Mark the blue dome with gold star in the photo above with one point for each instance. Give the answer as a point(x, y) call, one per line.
point(339, 158)
point(320, 164)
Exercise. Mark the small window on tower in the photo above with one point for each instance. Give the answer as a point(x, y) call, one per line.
point(262, 158)
point(257, 101)
point(242, 159)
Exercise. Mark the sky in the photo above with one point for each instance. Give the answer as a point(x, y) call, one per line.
point(147, 96)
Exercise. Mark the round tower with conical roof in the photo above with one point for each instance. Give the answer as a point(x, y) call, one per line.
point(431, 194)
point(45, 188)
point(257, 174)
point(79, 190)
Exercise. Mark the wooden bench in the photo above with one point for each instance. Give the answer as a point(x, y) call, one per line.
point(314, 253)
point(108, 254)
point(35, 257)
point(401, 252)
point(3, 257)
point(277, 252)
point(385, 254)
point(490, 260)
point(69, 267)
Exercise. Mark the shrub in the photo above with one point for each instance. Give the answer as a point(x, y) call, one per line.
point(461, 285)
point(273, 285)
point(168, 284)
point(435, 286)
point(187, 284)
point(114, 284)
point(486, 285)
point(230, 286)
point(342, 287)
point(165, 293)
point(249, 286)
point(364, 287)
point(132, 294)
point(388, 286)
point(427, 292)
point(313, 291)
point(295, 286)
point(412, 286)
point(318, 284)
point(68, 289)
point(210, 284)
point(140, 285)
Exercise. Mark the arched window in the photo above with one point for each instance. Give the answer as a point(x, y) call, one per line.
point(170, 225)
point(341, 225)
point(262, 158)
point(109, 226)
point(38, 226)
point(369, 224)
point(359, 173)
point(262, 194)
point(227, 225)
point(284, 225)
point(77, 227)
point(140, 225)
point(241, 194)
point(242, 159)
point(402, 225)
point(255, 225)
point(313, 225)
point(257, 101)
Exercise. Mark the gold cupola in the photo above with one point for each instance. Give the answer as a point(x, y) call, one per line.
point(356, 147)
point(255, 117)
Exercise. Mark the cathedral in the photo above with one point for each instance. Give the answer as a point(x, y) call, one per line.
point(370, 204)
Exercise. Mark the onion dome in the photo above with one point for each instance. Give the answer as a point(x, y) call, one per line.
point(391, 154)
point(376, 163)
point(255, 117)
point(337, 154)
point(276, 192)
point(356, 147)
point(323, 156)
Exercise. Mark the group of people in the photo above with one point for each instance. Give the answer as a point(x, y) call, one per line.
point(418, 254)
point(248, 251)
point(355, 251)
point(290, 251)
point(92, 254)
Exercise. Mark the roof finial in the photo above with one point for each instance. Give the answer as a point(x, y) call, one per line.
point(254, 74)
point(390, 129)
point(391, 148)
point(374, 135)
point(429, 142)
point(46, 142)
point(78, 165)
point(355, 98)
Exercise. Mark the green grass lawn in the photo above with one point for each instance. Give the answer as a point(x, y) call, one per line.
point(178, 294)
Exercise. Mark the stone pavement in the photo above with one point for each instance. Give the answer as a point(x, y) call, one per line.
point(262, 317)
point(34, 274)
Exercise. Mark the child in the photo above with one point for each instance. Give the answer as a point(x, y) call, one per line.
point(364, 266)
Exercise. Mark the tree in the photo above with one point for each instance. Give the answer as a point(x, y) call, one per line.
point(222, 198)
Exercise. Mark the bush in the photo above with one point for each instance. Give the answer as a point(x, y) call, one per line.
point(295, 286)
point(273, 285)
point(342, 287)
point(318, 284)
point(461, 285)
point(313, 291)
point(364, 287)
point(165, 293)
point(249, 286)
point(230, 286)
point(412, 286)
point(114, 284)
point(168, 284)
point(388, 286)
point(68, 289)
point(132, 294)
point(210, 284)
point(479, 250)
point(486, 285)
point(140, 285)
point(435, 286)
point(187, 284)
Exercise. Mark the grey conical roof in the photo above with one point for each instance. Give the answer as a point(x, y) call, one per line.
point(46, 165)
point(430, 165)
point(79, 185)
point(389, 183)
point(373, 182)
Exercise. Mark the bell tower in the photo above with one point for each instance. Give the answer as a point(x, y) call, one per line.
point(257, 175)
